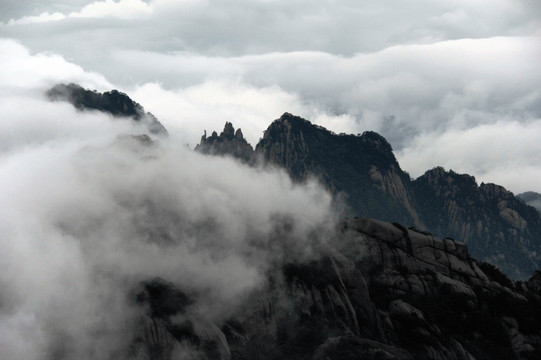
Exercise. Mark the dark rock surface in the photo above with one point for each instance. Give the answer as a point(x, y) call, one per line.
point(381, 292)
point(113, 102)
point(363, 168)
point(497, 226)
point(229, 142)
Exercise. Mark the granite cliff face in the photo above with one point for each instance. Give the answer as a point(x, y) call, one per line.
point(496, 225)
point(499, 227)
point(381, 292)
point(363, 168)
point(112, 102)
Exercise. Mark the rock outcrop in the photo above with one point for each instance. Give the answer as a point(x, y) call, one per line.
point(112, 102)
point(169, 325)
point(497, 226)
point(363, 167)
point(380, 292)
point(228, 143)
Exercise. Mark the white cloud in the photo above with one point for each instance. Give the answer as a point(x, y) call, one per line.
point(123, 9)
point(89, 214)
point(20, 69)
point(452, 83)
point(188, 111)
point(118, 9)
point(401, 92)
point(43, 17)
point(422, 86)
point(340, 27)
point(95, 222)
point(504, 152)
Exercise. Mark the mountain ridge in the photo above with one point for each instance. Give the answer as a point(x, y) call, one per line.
point(112, 102)
point(497, 226)
point(376, 289)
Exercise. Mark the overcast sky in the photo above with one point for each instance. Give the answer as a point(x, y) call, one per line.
point(454, 83)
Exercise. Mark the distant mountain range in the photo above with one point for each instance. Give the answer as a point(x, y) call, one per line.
point(382, 289)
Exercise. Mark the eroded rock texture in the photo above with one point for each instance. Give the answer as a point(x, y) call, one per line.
point(382, 292)
point(497, 226)
point(363, 168)
point(363, 171)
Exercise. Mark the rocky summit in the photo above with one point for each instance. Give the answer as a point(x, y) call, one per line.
point(363, 171)
point(497, 226)
point(361, 168)
point(112, 102)
point(229, 142)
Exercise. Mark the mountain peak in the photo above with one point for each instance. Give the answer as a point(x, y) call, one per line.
point(229, 131)
point(488, 217)
point(363, 167)
point(113, 102)
point(228, 143)
point(363, 171)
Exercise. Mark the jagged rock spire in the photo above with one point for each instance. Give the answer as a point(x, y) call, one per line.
point(229, 143)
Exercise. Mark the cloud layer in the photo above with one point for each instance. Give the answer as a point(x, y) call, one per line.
point(452, 83)
point(89, 213)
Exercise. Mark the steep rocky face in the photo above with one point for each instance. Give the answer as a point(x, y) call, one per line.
point(361, 167)
point(531, 198)
point(169, 324)
point(441, 303)
point(380, 292)
point(229, 142)
point(497, 226)
point(113, 102)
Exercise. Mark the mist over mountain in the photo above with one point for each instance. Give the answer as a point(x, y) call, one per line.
point(113, 102)
point(135, 247)
point(531, 198)
point(229, 142)
point(270, 180)
point(363, 171)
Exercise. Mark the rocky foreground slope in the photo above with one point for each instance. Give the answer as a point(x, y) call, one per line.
point(381, 292)
point(362, 169)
